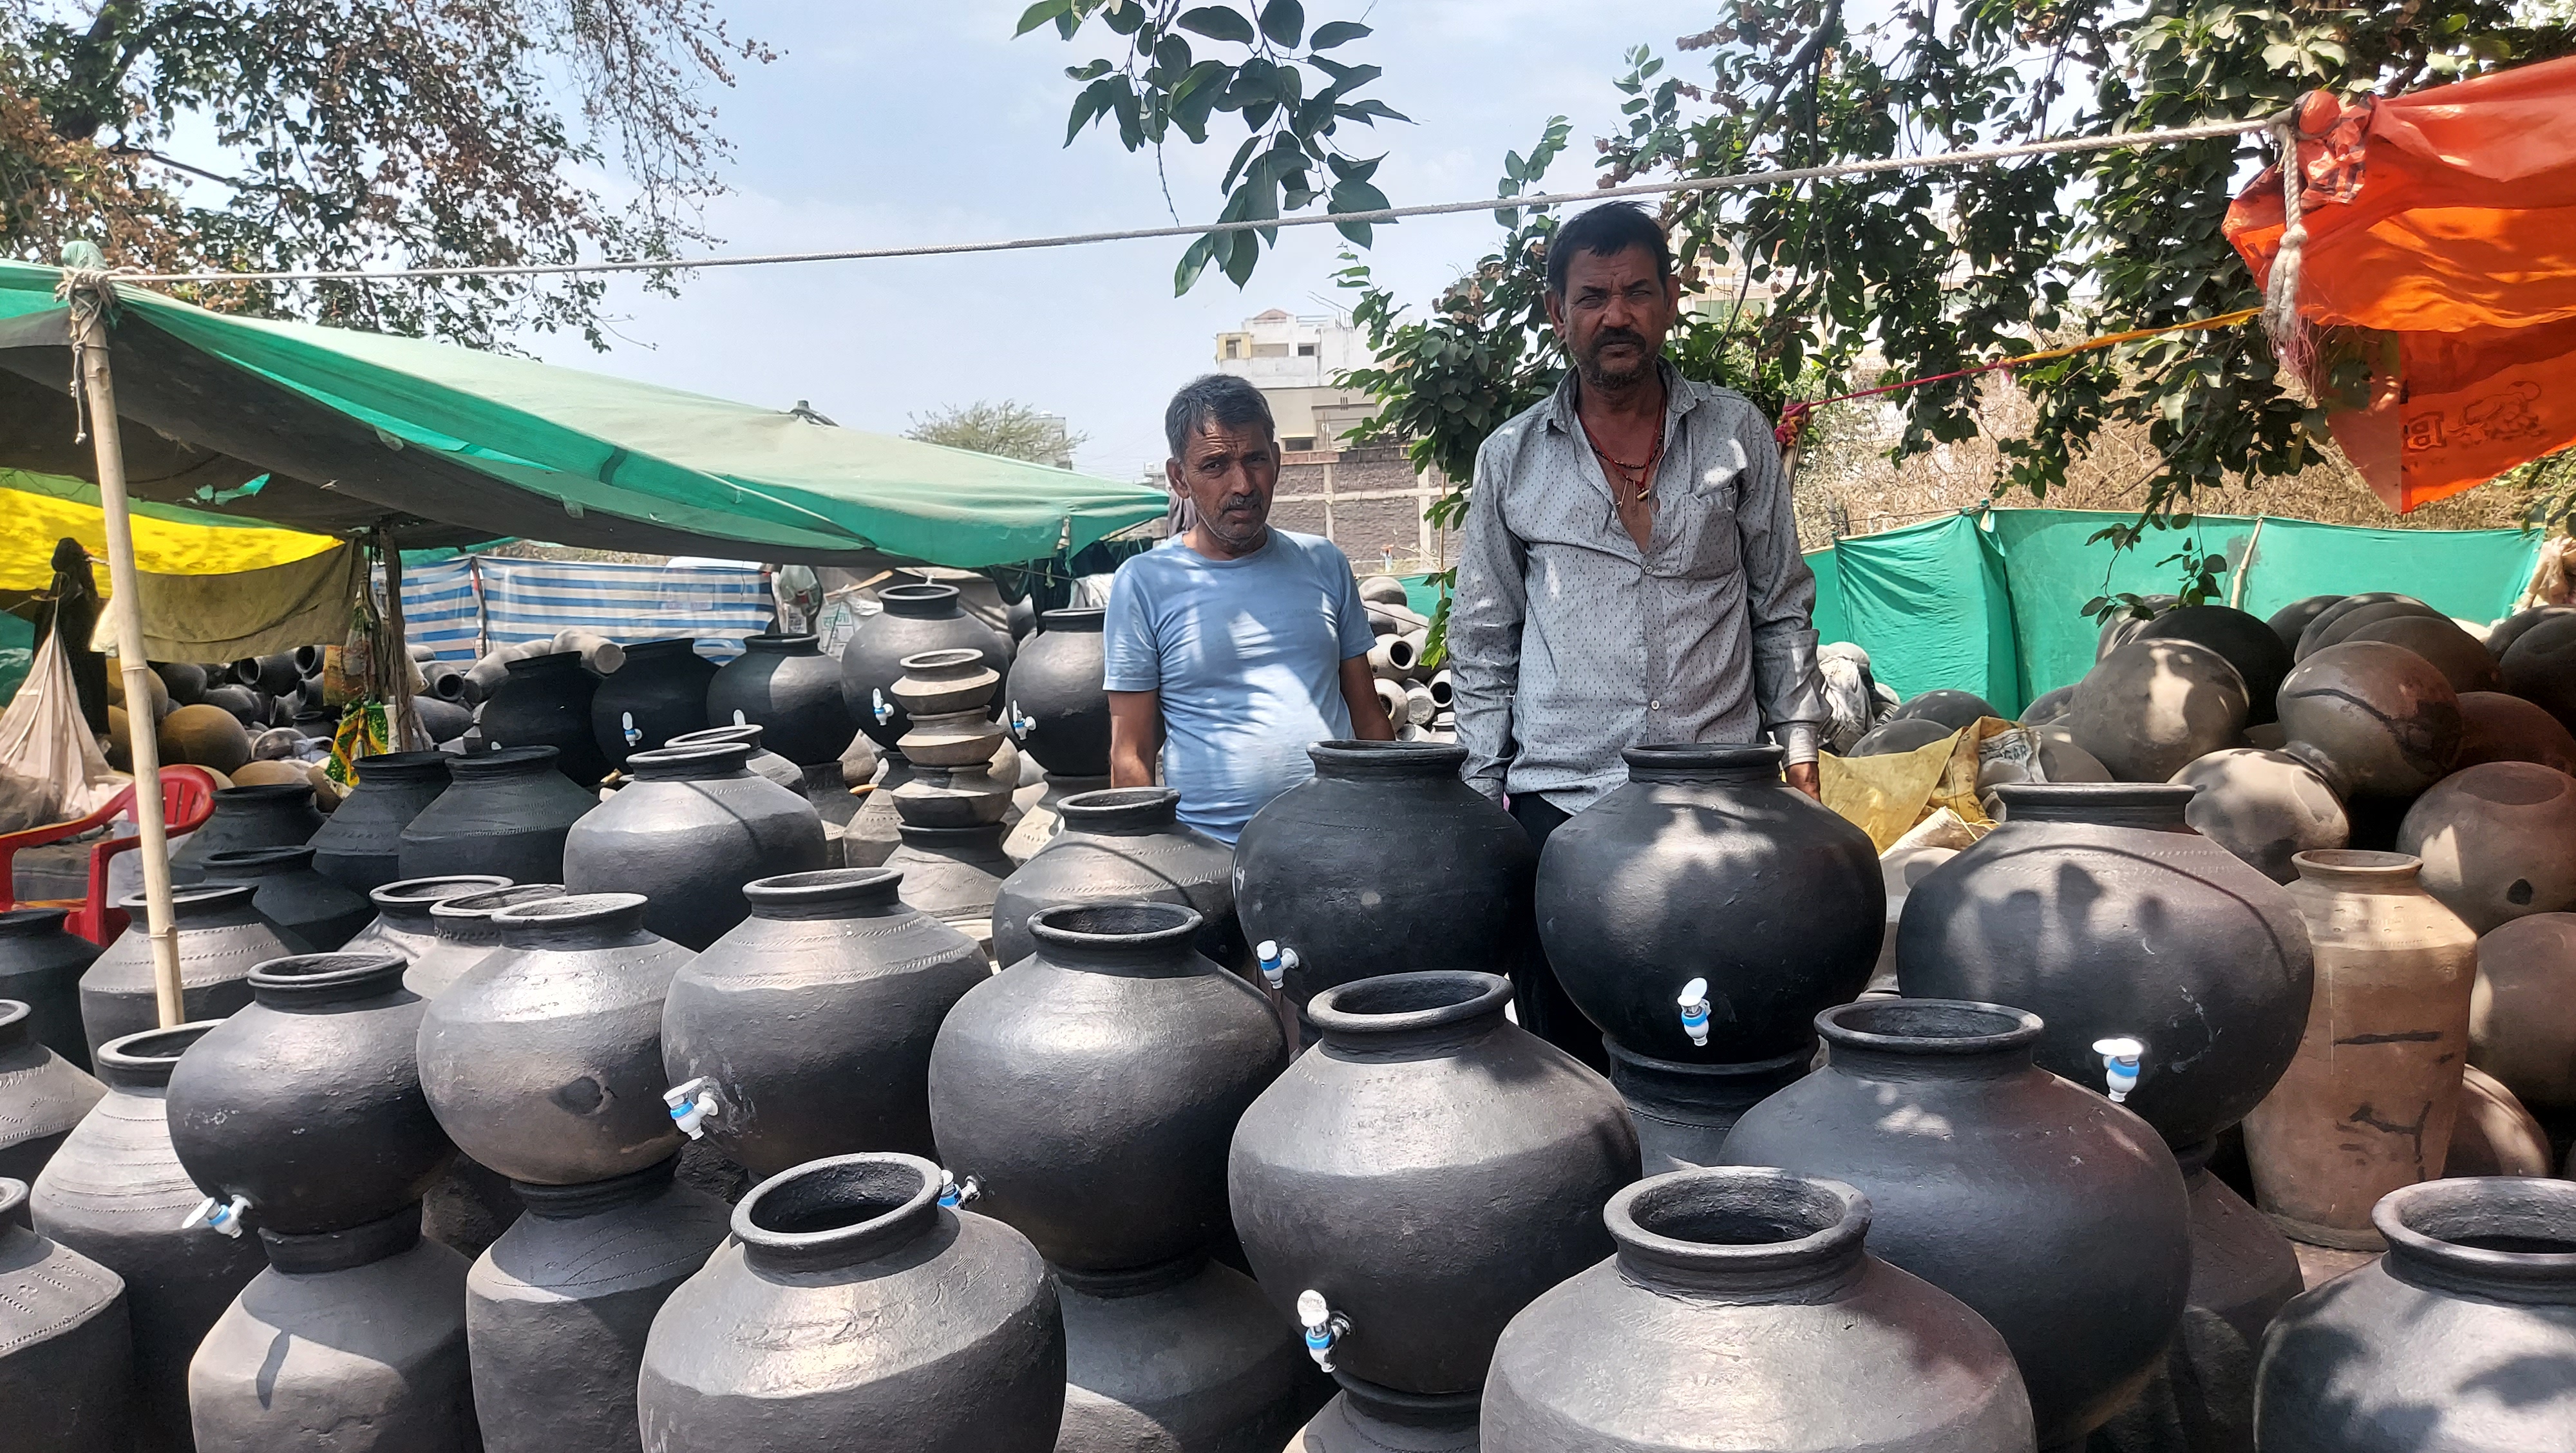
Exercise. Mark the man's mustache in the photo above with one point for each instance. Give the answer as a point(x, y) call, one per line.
point(1608, 336)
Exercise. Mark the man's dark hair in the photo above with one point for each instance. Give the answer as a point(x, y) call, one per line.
point(1220, 400)
point(1606, 231)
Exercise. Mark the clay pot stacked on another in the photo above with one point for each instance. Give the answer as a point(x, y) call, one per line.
point(657, 693)
point(1092, 1090)
point(506, 812)
point(916, 618)
point(221, 937)
point(687, 832)
point(2152, 706)
point(43, 1096)
point(2266, 807)
point(1121, 844)
point(2522, 1015)
point(1423, 1109)
point(360, 845)
point(950, 801)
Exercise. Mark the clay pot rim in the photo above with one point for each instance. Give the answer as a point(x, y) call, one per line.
point(692, 762)
point(572, 910)
point(1074, 618)
point(503, 762)
point(328, 978)
point(815, 887)
point(660, 646)
point(13, 1020)
point(1125, 928)
point(1461, 997)
point(775, 643)
point(139, 1059)
point(2412, 1219)
point(13, 1194)
point(405, 766)
point(2358, 867)
point(193, 895)
point(993, 830)
point(901, 1190)
point(409, 895)
point(544, 661)
point(946, 658)
point(1834, 1216)
point(1683, 761)
point(1121, 807)
point(15, 922)
point(1982, 1028)
point(262, 792)
point(257, 857)
point(2103, 804)
point(1348, 758)
point(475, 906)
point(920, 599)
point(747, 733)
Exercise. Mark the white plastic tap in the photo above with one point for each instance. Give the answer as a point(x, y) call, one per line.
point(1694, 1006)
point(626, 721)
point(1323, 1325)
point(884, 713)
point(215, 1215)
point(693, 1104)
point(1276, 962)
point(954, 1193)
point(738, 718)
point(1021, 722)
point(2120, 1058)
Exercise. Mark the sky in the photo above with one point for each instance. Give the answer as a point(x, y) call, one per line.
point(887, 123)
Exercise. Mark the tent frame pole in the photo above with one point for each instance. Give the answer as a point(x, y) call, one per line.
point(125, 612)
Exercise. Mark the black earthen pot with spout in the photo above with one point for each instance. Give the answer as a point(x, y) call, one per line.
point(1125, 843)
point(788, 688)
point(934, 1329)
point(359, 846)
point(687, 832)
point(221, 936)
point(916, 618)
point(544, 701)
point(505, 812)
point(1056, 703)
point(659, 693)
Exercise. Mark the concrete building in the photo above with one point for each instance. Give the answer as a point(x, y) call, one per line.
point(1365, 497)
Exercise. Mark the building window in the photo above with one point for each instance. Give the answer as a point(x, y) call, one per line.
point(1234, 348)
point(1297, 443)
point(1305, 350)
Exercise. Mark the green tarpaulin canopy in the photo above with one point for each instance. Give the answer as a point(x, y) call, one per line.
point(453, 447)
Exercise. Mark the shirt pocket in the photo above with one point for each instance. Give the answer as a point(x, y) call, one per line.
point(1710, 549)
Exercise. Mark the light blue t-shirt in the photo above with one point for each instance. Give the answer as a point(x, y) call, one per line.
point(1248, 656)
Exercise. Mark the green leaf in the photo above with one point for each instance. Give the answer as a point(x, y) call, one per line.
point(1193, 262)
point(1039, 14)
point(1334, 32)
point(1095, 102)
point(1284, 21)
point(1217, 22)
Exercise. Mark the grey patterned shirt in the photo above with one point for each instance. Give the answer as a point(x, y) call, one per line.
point(1567, 643)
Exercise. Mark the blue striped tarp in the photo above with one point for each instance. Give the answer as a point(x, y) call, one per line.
point(461, 608)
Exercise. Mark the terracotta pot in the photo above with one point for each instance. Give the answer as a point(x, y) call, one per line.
point(1057, 707)
point(41, 967)
point(544, 701)
point(935, 1326)
point(273, 815)
point(2376, 720)
point(2476, 1296)
point(1743, 1310)
point(2367, 1104)
point(360, 846)
point(916, 618)
point(2494, 1135)
point(310, 909)
point(2265, 807)
point(967, 796)
point(465, 934)
point(361, 1332)
point(42, 1097)
point(221, 936)
point(691, 828)
point(1126, 843)
point(66, 1346)
point(2498, 841)
point(2096, 907)
point(1971, 1155)
point(2250, 645)
point(307, 1103)
point(813, 1019)
point(658, 693)
point(2495, 727)
point(1384, 862)
point(1094, 1086)
point(2522, 1017)
point(2151, 707)
point(205, 735)
point(402, 926)
point(504, 812)
point(2540, 667)
point(2459, 656)
point(115, 1193)
point(788, 688)
point(557, 1310)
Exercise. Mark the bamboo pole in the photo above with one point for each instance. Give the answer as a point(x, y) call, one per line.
point(125, 611)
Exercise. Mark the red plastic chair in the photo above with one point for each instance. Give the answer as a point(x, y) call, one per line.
point(187, 800)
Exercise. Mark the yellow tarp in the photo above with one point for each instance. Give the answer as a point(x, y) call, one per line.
point(1887, 795)
point(38, 509)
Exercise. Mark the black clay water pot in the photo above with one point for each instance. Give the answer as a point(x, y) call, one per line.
point(1186, 1357)
point(2059, 1216)
point(463, 933)
point(1384, 862)
point(544, 701)
point(788, 688)
point(312, 909)
point(544, 1061)
point(2096, 907)
point(185, 680)
point(691, 828)
point(1057, 705)
point(557, 1310)
point(1125, 843)
point(1094, 1086)
point(2461, 1338)
point(814, 1017)
point(66, 1344)
point(1683, 1112)
point(270, 675)
point(221, 936)
point(1744, 1310)
point(659, 693)
point(1423, 1109)
point(916, 618)
point(1704, 865)
point(953, 873)
point(402, 924)
point(764, 762)
point(41, 967)
point(42, 1096)
point(307, 1104)
point(271, 815)
point(351, 1342)
point(504, 812)
point(116, 1194)
point(359, 845)
point(931, 1330)
point(2248, 642)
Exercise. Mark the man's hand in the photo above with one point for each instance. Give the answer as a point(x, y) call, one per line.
point(1803, 776)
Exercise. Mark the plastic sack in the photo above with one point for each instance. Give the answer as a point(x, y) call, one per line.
point(51, 769)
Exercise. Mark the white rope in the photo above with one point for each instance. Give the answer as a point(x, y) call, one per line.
point(1975, 157)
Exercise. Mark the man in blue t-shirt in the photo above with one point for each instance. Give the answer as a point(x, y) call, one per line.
point(1234, 646)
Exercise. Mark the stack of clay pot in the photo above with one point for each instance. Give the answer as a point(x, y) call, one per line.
point(1415, 697)
point(788, 688)
point(1701, 914)
point(544, 1062)
point(915, 618)
point(951, 801)
point(1059, 713)
point(1090, 1092)
point(302, 1118)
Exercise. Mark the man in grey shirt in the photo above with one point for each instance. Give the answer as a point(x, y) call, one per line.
point(1630, 570)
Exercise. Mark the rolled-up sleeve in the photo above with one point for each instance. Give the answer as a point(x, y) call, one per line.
point(1779, 600)
point(1485, 613)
